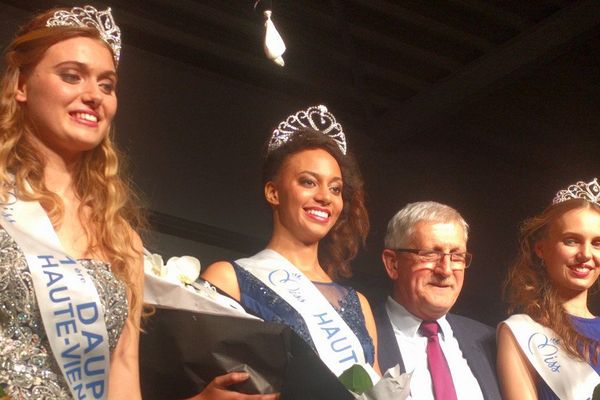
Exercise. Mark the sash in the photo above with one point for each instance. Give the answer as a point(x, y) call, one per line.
point(569, 378)
point(67, 299)
point(337, 345)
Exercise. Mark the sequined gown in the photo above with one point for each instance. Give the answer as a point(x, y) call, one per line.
point(27, 368)
point(263, 302)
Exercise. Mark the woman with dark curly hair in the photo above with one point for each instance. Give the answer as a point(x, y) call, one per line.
point(550, 350)
point(315, 191)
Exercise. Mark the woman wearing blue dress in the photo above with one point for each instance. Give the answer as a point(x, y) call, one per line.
point(315, 192)
point(550, 350)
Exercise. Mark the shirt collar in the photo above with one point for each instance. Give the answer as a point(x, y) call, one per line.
point(408, 324)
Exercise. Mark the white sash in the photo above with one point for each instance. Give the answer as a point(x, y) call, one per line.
point(337, 345)
point(569, 378)
point(67, 299)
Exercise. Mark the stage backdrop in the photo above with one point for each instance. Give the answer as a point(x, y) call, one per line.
point(193, 138)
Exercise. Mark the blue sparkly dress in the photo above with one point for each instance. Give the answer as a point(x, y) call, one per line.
point(589, 327)
point(263, 302)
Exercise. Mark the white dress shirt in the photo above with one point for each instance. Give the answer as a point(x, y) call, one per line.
point(413, 348)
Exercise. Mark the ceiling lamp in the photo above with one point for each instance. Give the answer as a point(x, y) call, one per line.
point(273, 45)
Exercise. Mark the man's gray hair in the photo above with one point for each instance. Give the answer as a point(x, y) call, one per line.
point(402, 225)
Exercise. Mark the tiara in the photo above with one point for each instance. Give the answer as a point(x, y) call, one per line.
point(315, 117)
point(588, 191)
point(88, 16)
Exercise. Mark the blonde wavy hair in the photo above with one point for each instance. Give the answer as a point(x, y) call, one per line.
point(528, 288)
point(109, 207)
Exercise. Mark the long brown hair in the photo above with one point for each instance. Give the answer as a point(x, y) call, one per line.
point(528, 288)
point(341, 244)
point(108, 205)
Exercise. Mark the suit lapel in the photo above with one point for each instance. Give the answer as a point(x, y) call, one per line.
point(478, 357)
point(389, 353)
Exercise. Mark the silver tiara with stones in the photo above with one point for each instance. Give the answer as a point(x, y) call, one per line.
point(588, 191)
point(315, 117)
point(88, 16)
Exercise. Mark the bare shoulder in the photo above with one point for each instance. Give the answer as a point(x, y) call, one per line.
point(219, 269)
point(505, 333)
point(364, 303)
point(137, 267)
point(515, 374)
point(370, 325)
point(222, 275)
point(509, 351)
point(136, 240)
point(367, 313)
point(506, 337)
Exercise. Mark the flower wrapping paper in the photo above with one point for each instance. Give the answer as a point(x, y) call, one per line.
point(182, 351)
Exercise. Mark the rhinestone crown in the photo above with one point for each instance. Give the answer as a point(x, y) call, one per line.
point(315, 117)
point(589, 191)
point(88, 16)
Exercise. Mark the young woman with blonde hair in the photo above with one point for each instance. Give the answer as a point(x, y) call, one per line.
point(70, 260)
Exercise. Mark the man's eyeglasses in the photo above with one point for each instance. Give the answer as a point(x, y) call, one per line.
point(459, 260)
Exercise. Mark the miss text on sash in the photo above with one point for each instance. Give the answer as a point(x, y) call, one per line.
point(547, 347)
point(340, 345)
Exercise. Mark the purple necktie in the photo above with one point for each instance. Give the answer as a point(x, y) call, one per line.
point(443, 387)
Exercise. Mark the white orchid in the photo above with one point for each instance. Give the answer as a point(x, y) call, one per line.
point(184, 269)
point(174, 286)
point(180, 270)
point(153, 264)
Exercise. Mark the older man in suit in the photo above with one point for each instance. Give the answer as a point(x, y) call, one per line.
point(451, 357)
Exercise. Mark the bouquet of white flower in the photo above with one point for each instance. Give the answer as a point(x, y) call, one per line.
point(197, 334)
point(174, 285)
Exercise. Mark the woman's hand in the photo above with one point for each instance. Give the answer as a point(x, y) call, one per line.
point(217, 389)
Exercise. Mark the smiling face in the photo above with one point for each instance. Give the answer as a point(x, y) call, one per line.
point(427, 290)
point(571, 251)
point(306, 195)
point(69, 96)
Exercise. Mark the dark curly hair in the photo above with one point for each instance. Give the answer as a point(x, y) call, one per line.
point(528, 288)
point(341, 244)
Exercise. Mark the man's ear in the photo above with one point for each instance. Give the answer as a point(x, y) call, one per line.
point(271, 193)
point(389, 258)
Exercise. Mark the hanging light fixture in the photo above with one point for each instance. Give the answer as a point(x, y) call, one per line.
point(273, 44)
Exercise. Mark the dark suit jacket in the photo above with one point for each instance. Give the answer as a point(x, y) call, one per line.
point(477, 342)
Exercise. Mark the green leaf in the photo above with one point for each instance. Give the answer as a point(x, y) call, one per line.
point(596, 395)
point(2, 392)
point(356, 379)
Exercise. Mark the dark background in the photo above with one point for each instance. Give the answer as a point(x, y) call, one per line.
point(488, 106)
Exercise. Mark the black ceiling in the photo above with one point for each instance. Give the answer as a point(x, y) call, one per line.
point(406, 64)
point(488, 105)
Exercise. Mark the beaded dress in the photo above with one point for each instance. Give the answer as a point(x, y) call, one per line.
point(260, 300)
point(27, 367)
